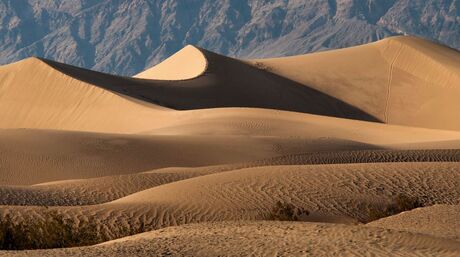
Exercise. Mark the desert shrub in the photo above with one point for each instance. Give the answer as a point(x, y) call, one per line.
point(288, 212)
point(262, 66)
point(57, 231)
point(54, 231)
point(399, 204)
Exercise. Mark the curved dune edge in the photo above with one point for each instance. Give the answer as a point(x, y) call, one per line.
point(188, 63)
point(277, 238)
point(438, 220)
point(332, 193)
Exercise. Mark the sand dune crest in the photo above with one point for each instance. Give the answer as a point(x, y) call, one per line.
point(187, 63)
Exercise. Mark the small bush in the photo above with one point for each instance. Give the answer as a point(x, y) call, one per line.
point(288, 212)
point(53, 232)
point(400, 204)
point(262, 66)
point(57, 231)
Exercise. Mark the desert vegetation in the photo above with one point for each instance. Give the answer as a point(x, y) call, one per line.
point(288, 212)
point(400, 203)
point(285, 211)
point(54, 231)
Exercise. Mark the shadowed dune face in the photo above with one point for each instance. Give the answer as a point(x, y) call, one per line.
point(227, 82)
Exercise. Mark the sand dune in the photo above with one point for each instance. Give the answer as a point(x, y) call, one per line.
point(37, 156)
point(329, 189)
point(262, 122)
point(201, 138)
point(40, 93)
point(109, 188)
point(399, 80)
point(438, 220)
point(277, 238)
point(332, 193)
point(205, 138)
point(34, 95)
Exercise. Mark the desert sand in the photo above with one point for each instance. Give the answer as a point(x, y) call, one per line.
point(193, 156)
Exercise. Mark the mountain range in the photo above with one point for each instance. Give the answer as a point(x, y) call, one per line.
point(127, 36)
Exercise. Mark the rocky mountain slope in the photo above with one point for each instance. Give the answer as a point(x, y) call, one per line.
point(126, 36)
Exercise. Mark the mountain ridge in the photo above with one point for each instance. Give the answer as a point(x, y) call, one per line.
point(125, 37)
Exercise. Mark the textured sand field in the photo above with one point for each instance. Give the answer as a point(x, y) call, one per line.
point(266, 239)
point(197, 151)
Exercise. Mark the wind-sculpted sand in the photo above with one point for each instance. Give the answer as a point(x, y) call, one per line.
point(108, 188)
point(265, 239)
point(340, 193)
point(202, 152)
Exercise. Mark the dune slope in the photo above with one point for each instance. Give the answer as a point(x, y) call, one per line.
point(438, 220)
point(34, 95)
point(399, 80)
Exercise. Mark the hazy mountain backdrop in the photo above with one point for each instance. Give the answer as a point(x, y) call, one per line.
point(126, 36)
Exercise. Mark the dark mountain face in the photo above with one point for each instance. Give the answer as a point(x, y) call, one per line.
point(126, 36)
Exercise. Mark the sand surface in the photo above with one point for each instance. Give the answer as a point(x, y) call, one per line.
point(197, 151)
point(265, 239)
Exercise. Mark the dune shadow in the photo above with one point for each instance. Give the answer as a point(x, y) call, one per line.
point(227, 82)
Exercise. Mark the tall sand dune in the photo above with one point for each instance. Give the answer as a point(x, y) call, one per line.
point(34, 95)
point(399, 80)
